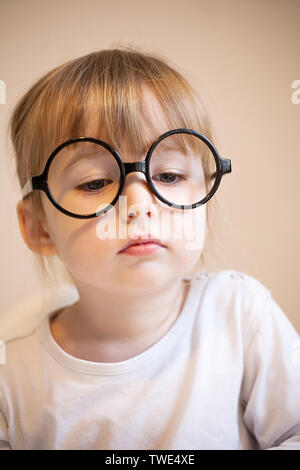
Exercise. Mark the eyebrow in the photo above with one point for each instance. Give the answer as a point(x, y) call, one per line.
point(79, 156)
point(169, 147)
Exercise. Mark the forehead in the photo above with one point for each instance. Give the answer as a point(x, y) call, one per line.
point(148, 121)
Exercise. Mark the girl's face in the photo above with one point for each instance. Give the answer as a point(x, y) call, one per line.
point(96, 261)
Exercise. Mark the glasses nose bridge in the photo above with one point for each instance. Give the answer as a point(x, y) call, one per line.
point(135, 166)
point(131, 167)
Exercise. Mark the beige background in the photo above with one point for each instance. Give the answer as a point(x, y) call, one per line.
point(242, 56)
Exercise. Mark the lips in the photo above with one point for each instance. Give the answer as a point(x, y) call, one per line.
point(142, 240)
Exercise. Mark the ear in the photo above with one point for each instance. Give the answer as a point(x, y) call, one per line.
point(38, 240)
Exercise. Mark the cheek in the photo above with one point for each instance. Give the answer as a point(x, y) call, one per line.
point(194, 240)
point(88, 258)
point(190, 228)
point(80, 247)
point(87, 246)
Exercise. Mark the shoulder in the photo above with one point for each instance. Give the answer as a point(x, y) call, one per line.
point(19, 353)
point(23, 355)
point(242, 301)
point(19, 325)
point(18, 365)
point(230, 284)
point(232, 297)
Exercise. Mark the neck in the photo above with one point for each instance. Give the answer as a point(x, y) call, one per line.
point(118, 326)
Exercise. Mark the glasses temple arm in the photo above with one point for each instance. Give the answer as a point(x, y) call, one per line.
point(27, 188)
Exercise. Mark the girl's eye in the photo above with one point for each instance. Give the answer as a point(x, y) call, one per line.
point(93, 186)
point(168, 178)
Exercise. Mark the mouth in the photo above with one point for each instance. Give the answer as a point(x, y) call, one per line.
point(142, 246)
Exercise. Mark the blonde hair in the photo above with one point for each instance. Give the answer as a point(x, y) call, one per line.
point(108, 85)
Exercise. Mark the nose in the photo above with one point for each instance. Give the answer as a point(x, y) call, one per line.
point(139, 197)
point(137, 190)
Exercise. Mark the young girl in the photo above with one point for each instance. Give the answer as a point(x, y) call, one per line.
point(117, 167)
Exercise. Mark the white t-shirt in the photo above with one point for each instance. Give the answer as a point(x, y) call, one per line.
point(225, 376)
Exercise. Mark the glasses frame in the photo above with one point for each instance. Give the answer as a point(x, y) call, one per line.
point(40, 182)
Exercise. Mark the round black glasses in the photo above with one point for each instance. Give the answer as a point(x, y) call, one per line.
point(84, 177)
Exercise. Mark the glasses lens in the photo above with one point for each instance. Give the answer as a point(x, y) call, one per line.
point(84, 176)
point(183, 169)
